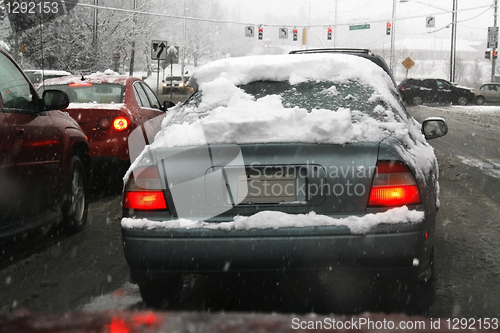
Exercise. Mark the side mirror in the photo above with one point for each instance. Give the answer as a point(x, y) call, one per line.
point(434, 127)
point(55, 100)
point(168, 105)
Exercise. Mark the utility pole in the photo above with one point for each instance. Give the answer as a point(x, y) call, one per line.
point(335, 29)
point(393, 38)
point(453, 41)
point(183, 63)
point(94, 27)
point(95, 35)
point(132, 52)
point(493, 61)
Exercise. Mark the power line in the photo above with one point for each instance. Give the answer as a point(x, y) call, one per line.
point(131, 11)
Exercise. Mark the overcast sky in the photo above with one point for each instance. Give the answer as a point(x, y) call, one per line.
point(474, 17)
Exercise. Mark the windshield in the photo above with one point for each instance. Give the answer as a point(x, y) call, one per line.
point(361, 100)
point(102, 93)
point(320, 95)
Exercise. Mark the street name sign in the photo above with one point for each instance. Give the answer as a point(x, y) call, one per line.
point(359, 27)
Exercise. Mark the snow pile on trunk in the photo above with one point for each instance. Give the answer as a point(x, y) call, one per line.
point(275, 220)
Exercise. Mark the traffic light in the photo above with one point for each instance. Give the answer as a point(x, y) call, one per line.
point(294, 34)
point(261, 32)
point(388, 28)
point(329, 33)
point(22, 48)
point(490, 54)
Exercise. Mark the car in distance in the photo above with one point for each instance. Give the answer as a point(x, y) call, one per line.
point(487, 93)
point(38, 75)
point(108, 108)
point(418, 91)
point(284, 163)
point(44, 160)
point(177, 84)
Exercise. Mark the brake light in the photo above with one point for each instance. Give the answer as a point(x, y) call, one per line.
point(144, 191)
point(146, 200)
point(393, 185)
point(120, 123)
point(80, 84)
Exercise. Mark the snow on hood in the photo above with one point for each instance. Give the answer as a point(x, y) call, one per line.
point(275, 220)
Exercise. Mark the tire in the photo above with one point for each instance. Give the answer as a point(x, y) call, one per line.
point(161, 294)
point(411, 296)
point(462, 101)
point(75, 204)
point(416, 100)
point(480, 100)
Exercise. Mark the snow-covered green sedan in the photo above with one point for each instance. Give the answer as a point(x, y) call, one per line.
point(283, 163)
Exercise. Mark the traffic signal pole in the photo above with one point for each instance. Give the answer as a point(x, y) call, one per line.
point(493, 61)
point(453, 41)
point(393, 39)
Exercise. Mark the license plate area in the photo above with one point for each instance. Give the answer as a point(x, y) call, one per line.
point(288, 185)
point(270, 186)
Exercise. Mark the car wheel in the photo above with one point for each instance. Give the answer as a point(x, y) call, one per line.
point(480, 100)
point(75, 205)
point(462, 101)
point(413, 296)
point(161, 294)
point(416, 100)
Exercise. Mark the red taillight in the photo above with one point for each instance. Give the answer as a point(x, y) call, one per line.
point(146, 200)
point(144, 191)
point(394, 185)
point(80, 84)
point(120, 123)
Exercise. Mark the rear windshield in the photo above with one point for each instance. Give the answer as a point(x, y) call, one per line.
point(102, 93)
point(361, 99)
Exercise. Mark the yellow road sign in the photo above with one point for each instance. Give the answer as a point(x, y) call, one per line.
point(408, 63)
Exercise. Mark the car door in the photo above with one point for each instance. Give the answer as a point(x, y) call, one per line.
point(489, 92)
point(34, 147)
point(444, 92)
point(428, 90)
point(6, 163)
point(495, 93)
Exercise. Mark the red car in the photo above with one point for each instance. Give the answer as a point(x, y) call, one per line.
point(44, 160)
point(108, 108)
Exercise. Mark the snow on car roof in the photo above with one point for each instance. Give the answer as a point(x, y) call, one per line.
point(238, 118)
point(94, 78)
point(48, 72)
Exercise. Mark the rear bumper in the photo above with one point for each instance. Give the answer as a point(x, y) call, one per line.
point(153, 254)
point(111, 147)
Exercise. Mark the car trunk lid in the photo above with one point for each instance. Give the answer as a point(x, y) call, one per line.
point(229, 180)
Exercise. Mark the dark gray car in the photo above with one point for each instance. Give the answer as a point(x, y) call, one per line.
point(418, 91)
point(284, 163)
